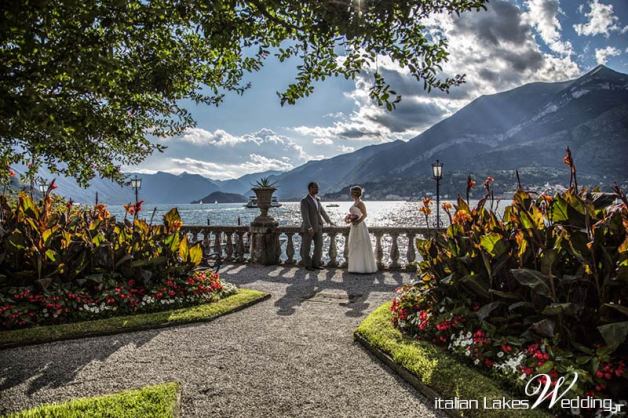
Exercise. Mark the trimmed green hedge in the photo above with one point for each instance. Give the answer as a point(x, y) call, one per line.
point(150, 401)
point(435, 368)
point(115, 325)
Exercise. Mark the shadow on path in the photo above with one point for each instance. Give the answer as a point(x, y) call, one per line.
point(351, 290)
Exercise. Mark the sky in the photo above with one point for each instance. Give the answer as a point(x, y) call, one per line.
point(512, 43)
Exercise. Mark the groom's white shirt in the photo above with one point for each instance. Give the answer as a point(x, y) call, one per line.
point(315, 201)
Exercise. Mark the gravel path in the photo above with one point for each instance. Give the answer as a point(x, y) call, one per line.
point(291, 355)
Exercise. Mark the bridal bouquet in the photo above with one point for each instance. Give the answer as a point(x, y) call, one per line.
point(353, 215)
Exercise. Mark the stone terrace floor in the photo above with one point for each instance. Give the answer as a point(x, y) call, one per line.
point(291, 355)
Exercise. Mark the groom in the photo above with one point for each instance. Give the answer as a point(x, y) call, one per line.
point(313, 214)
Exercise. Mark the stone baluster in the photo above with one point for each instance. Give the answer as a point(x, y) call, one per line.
point(333, 253)
point(411, 252)
point(240, 247)
point(379, 251)
point(300, 263)
point(289, 249)
point(229, 247)
point(345, 263)
point(394, 251)
point(206, 243)
point(218, 243)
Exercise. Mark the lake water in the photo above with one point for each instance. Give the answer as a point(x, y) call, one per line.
point(379, 213)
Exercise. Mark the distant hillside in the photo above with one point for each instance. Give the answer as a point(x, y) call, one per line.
point(526, 128)
point(157, 188)
point(222, 197)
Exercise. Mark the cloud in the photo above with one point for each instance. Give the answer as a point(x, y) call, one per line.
point(497, 51)
point(601, 20)
point(221, 171)
point(322, 141)
point(345, 148)
point(543, 16)
point(219, 154)
point(602, 55)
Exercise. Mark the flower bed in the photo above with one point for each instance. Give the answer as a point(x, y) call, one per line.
point(28, 306)
point(540, 291)
point(62, 263)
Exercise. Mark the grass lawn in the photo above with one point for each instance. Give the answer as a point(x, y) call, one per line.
point(150, 401)
point(114, 325)
point(433, 371)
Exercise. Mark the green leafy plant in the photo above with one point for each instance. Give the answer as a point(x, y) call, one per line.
point(264, 183)
point(542, 288)
point(47, 241)
point(553, 266)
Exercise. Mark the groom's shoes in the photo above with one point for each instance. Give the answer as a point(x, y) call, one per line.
point(319, 267)
point(308, 268)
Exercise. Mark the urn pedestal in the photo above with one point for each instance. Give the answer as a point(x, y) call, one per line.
point(265, 246)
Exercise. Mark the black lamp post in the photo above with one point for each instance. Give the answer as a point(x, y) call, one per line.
point(437, 174)
point(136, 183)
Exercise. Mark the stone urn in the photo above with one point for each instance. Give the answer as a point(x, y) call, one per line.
point(264, 200)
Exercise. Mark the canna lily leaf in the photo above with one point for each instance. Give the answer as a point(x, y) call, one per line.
point(618, 308)
point(533, 279)
point(184, 248)
point(196, 255)
point(51, 255)
point(544, 327)
point(554, 309)
point(485, 311)
point(614, 334)
point(494, 244)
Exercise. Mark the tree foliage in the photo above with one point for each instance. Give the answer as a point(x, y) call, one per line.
point(84, 83)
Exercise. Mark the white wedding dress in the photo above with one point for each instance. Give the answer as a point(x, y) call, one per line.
point(361, 258)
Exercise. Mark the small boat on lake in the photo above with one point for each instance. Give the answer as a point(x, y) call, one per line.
point(332, 205)
point(252, 203)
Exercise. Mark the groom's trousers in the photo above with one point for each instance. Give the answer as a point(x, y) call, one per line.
point(306, 246)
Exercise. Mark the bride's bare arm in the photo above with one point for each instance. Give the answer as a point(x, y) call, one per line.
point(362, 208)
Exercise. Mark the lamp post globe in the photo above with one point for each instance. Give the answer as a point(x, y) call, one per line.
point(437, 174)
point(437, 170)
point(136, 184)
point(43, 186)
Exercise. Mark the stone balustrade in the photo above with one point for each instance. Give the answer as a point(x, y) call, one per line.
point(394, 247)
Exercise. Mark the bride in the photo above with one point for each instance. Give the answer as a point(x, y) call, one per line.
point(361, 259)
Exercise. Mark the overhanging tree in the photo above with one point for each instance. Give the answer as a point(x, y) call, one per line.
point(84, 82)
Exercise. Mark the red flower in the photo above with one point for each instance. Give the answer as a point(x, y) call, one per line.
point(567, 159)
point(130, 209)
point(171, 293)
point(11, 172)
point(470, 183)
point(488, 182)
point(53, 185)
point(488, 362)
point(403, 314)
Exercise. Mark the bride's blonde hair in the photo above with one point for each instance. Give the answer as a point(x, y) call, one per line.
point(356, 189)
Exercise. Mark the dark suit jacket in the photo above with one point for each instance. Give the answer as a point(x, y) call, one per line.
point(312, 218)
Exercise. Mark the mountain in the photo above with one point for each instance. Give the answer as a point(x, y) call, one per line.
point(243, 184)
point(157, 188)
point(222, 197)
point(526, 128)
